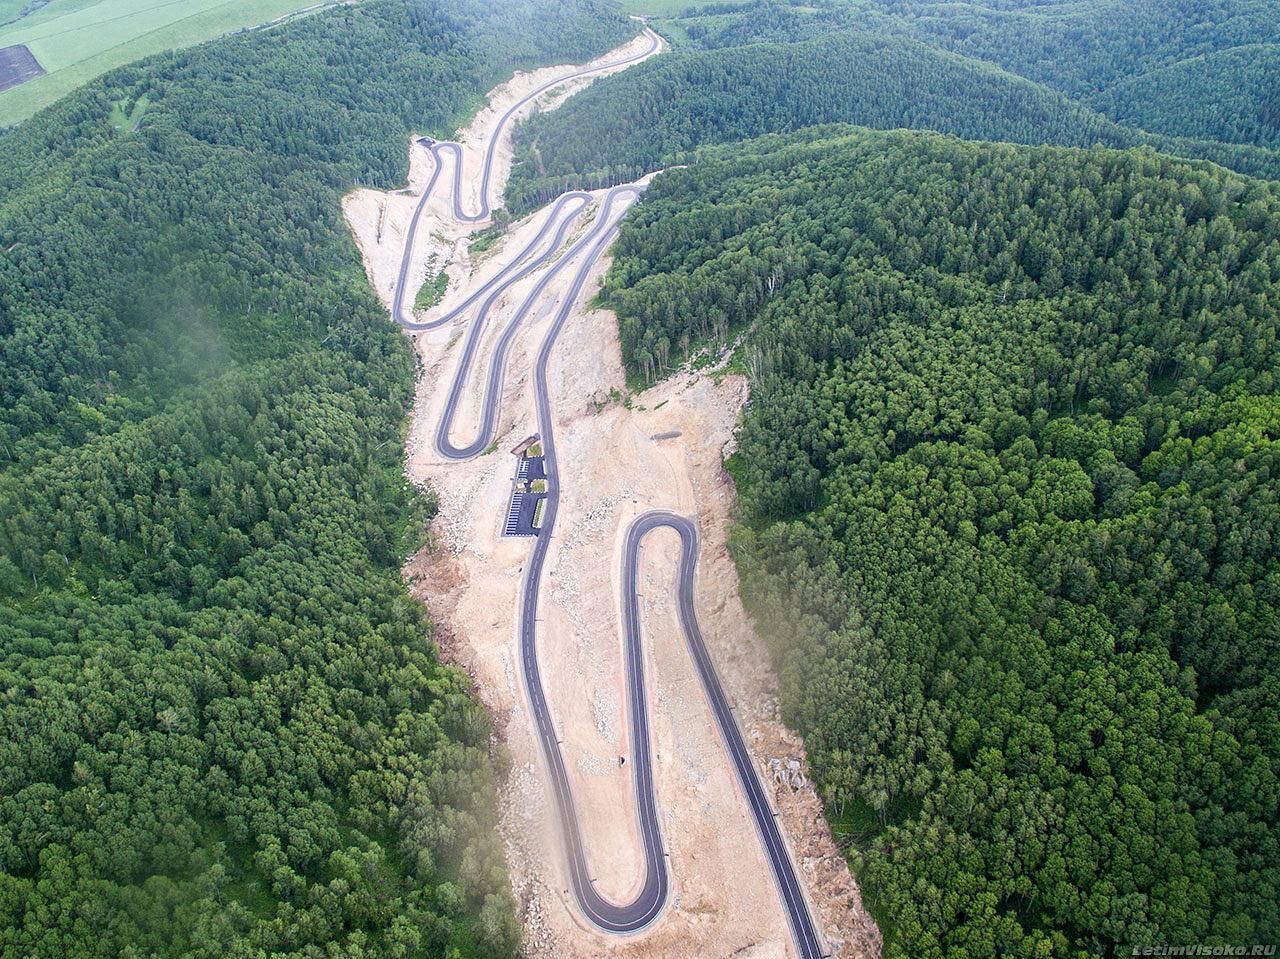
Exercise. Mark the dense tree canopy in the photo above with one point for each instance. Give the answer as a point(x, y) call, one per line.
point(1232, 95)
point(660, 111)
point(1080, 47)
point(978, 71)
point(1009, 490)
point(1083, 47)
point(1008, 475)
point(224, 730)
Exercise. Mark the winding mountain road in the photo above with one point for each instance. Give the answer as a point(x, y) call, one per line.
point(497, 362)
point(439, 147)
point(574, 265)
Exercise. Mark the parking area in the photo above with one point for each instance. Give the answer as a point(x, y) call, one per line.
point(528, 493)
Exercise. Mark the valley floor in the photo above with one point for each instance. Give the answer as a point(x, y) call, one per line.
point(664, 449)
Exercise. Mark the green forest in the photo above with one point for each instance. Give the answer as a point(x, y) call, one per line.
point(1172, 75)
point(1007, 480)
point(1231, 95)
point(1009, 518)
point(224, 728)
point(1008, 475)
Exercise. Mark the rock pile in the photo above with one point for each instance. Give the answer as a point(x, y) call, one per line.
point(786, 772)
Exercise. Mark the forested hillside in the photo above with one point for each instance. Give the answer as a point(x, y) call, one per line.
point(662, 110)
point(223, 727)
point(993, 72)
point(1232, 96)
point(1008, 480)
point(1083, 47)
point(1187, 68)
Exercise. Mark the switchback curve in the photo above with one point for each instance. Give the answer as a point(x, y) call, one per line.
point(436, 148)
point(649, 903)
point(652, 898)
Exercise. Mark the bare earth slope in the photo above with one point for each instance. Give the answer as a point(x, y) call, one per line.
point(614, 468)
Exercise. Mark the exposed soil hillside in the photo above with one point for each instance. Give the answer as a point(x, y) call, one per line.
point(664, 449)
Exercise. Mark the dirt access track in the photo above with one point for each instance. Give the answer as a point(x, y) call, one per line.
point(662, 449)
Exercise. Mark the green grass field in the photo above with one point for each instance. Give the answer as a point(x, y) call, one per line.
point(9, 10)
point(75, 40)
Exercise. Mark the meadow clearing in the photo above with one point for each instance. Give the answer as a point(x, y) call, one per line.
point(76, 40)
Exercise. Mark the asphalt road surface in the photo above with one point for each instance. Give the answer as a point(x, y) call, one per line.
point(508, 275)
point(497, 362)
point(437, 148)
point(649, 903)
point(802, 928)
point(585, 252)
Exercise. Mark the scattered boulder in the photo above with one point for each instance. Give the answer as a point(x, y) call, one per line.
point(787, 773)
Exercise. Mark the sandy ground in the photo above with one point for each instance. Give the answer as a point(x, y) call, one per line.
point(613, 467)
